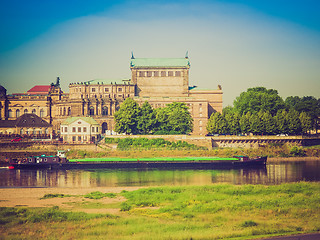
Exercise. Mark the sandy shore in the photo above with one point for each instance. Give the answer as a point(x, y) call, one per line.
point(30, 197)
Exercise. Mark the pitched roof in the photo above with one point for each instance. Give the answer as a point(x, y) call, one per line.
point(31, 120)
point(26, 120)
point(70, 120)
point(160, 62)
point(38, 89)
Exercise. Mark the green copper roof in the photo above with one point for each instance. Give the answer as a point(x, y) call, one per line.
point(160, 62)
point(106, 81)
point(70, 120)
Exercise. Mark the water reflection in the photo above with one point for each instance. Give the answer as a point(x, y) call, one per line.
point(273, 174)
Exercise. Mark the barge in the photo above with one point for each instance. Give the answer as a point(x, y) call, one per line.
point(60, 161)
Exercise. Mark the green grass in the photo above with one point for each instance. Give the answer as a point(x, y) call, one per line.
point(192, 212)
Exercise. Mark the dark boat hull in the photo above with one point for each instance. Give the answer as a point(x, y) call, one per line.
point(258, 162)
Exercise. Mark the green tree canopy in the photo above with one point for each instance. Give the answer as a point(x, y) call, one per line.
point(217, 124)
point(259, 98)
point(306, 122)
point(147, 119)
point(309, 105)
point(175, 118)
point(233, 122)
point(126, 117)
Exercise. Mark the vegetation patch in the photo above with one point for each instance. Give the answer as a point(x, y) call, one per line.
point(157, 143)
point(55, 195)
point(218, 211)
point(99, 195)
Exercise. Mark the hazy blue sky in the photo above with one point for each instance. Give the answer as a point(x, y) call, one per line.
point(234, 43)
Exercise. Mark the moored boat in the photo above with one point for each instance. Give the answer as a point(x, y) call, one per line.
point(60, 161)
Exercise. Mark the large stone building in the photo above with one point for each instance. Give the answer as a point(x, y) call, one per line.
point(157, 80)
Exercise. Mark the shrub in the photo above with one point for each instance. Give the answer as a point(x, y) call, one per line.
point(297, 152)
point(125, 207)
point(99, 195)
point(249, 223)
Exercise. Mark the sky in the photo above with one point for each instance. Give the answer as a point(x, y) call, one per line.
point(238, 44)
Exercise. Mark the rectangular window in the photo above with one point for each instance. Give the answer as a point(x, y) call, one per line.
point(79, 129)
point(156, 73)
point(73, 129)
point(74, 138)
point(170, 73)
point(93, 89)
point(178, 73)
point(79, 138)
point(149, 74)
point(106, 89)
point(97, 129)
point(65, 129)
point(119, 89)
point(163, 74)
point(84, 129)
point(141, 74)
point(92, 129)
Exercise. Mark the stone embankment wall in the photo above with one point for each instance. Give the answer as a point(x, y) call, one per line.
point(235, 141)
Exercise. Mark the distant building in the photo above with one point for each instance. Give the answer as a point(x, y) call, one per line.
point(157, 80)
point(79, 130)
point(27, 124)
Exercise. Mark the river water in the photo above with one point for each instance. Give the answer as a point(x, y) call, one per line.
point(273, 173)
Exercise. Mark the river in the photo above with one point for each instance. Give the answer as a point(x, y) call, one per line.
point(273, 173)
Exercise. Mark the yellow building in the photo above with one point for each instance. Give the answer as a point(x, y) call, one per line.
point(157, 80)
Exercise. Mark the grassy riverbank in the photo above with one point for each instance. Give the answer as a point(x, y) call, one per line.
point(272, 151)
point(192, 212)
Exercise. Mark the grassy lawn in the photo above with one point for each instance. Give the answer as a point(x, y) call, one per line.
point(193, 212)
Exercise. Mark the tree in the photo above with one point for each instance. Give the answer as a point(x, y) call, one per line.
point(281, 122)
point(232, 120)
point(245, 122)
point(293, 122)
point(179, 118)
point(306, 122)
point(174, 118)
point(127, 117)
point(269, 123)
point(255, 124)
point(259, 98)
point(309, 105)
point(216, 124)
point(147, 119)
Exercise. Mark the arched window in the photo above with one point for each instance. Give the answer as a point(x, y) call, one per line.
point(25, 111)
point(41, 113)
point(104, 111)
point(33, 111)
point(34, 131)
point(69, 111)
point(91, 111)
point(64, 111)
point(17, 113)
point(10, 113)
point(46, 131)
point(21, 131)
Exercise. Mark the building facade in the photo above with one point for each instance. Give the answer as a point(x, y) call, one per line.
point(158, 81)
point(80, 130)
